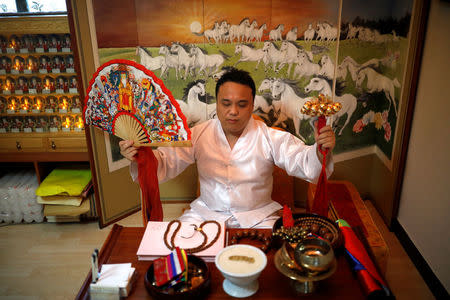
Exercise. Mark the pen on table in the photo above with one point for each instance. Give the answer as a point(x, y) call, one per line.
point(94, 270)
point(96, 261)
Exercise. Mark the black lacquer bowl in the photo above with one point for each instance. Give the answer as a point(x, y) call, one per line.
point(198, 292)
point(307, 220)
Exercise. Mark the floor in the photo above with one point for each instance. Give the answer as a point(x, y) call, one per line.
point(50, 261)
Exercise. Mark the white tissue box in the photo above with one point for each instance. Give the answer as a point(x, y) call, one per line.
point(115, 281)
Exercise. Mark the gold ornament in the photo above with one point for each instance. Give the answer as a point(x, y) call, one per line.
point(321, 106)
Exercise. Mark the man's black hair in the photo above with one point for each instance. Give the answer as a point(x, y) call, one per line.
point(237, 76)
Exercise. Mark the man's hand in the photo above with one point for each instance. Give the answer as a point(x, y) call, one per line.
point(324, 138)
point(128, 150)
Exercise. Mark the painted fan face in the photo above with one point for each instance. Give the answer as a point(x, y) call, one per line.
point(127, 100)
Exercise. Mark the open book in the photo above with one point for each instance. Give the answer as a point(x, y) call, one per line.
point(152, 245)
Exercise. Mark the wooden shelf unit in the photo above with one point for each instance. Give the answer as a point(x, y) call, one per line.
point(42, 150)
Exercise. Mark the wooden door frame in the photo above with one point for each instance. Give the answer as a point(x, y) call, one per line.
point(82, 27)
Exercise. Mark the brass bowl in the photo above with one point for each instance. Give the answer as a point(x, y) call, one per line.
point(314, 255)
point(307, 219)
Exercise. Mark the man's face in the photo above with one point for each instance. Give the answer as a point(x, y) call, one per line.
point(234, 107)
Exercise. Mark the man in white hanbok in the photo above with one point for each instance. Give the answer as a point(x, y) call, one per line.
point(235, 155)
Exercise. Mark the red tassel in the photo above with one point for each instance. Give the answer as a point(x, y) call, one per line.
point(321, 201)
point(288, 220)
point(148, 180)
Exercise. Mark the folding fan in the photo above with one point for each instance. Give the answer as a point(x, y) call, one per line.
point(129, 101)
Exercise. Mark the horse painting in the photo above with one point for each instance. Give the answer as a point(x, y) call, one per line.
point(276, 34)
point(274, 55)
point(248, 53)
point(290, 50)
point(305, 66)
point(184, 59)
point(238, 31)
point(206, 63)
point(146, 59)
point(291, 103)
point(379, 83)
point(309, 33)
point(195, 110)
point(170, 61)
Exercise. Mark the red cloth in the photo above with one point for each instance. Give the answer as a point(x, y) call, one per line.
point(321, 201)
point(148, 180)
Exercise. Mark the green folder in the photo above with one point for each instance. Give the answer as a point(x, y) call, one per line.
point(69, 182)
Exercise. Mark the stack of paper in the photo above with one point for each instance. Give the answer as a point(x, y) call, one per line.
point(63, 193)
point(152, 245)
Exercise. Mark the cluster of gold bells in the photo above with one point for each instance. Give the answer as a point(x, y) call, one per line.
point(322, 106)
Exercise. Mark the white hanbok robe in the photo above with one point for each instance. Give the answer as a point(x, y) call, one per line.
point(236, 184)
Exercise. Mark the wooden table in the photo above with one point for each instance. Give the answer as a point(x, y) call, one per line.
point(122, 244)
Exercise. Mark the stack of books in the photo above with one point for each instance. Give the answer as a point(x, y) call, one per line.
point(64, 194)
point(153, 245)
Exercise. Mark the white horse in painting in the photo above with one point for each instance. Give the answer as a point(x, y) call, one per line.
point(348, 101)
point(249, 30)
point(327, 67)
point(238, 31)
point(276, 34)
point(248, 53)
point(352, 31)
point(350, 65)
point(326, 32)
point(257, 33)
point(184, 59)
point(292, 34)
point(290, 50)
point(146, 59)
point(379, 83)
point(266, 84)
point(309, 33)
point(212, 33)
point(206, 62)
point(291, 103)
point(170, 61)
point(305, 66)
point(274, 55)
point(195, 110)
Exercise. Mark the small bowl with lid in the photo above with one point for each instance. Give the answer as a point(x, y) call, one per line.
point(241, 266)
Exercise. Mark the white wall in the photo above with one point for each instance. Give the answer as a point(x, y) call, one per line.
point(424, 210)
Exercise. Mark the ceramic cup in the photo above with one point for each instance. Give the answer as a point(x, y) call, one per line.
point(241, 266)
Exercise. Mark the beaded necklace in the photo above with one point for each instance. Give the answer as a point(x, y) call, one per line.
point(254, 235)
point(202, 246)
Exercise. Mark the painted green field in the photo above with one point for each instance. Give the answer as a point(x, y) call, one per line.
point(359, 51)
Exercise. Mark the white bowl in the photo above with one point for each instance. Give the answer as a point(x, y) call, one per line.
point(241, 284)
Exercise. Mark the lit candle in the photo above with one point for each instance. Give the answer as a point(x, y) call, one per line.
point(25, 105)
point(79, 125)
point(66, 124)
